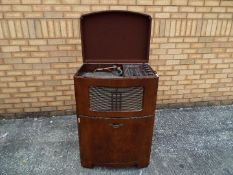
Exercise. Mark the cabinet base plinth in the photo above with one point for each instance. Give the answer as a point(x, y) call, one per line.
point(115, 165)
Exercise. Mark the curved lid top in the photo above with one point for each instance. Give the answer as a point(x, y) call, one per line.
point(115, 37)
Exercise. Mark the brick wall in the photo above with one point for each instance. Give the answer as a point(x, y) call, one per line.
point(191, 48)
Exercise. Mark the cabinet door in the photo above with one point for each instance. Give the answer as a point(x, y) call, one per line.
point(115, 141)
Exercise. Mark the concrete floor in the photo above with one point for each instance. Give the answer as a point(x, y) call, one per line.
point(186, 141)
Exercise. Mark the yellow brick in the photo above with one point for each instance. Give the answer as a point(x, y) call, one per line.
point(13, 60)
point(43, 77)
point(162, 15)
point(23, 66)
point(63, 29)
point(50, 1)
point(170, 45)
point(39, 54)
point(38, 29)
point(175, 40)
point(136, 8)
point(210, 15)
point(226, 3)
point(178, 25)
point(46, 98)
point(69, 28)
point(33, 72)
point(33, 14)
point(64, 108)
point(188, 28)
point(196, 2)
point(31, 109)
point(178, 15)
point(219, 9)
point(12, 28)
point(24, 26)
point(161, 2)
point(31, 60)
point(53, 14)
point(89, 1)
point(19, 42)
point(29, 48)
point(179, 77)
point(229, 80)
point(5, 67)
point(14, 110)
point(194, 15)
point(108, 2)
point(42, 8)
point(13, 15)
point(203, 9)
point(44, 28)
point(24, 78)
point(170, 9)
point(57, 28)
point(183, 27)
point(9, 90)
point(17, 84)
point(5, 8)
point(127, 2)
point(34, 83)
point(31, 28)
point(21, 8)
point(10, 72)
point(118, 7)
point(38, 42)
point(10, 48)
point(212, 3)
point(50, 28)
point(99, 7)
point(7, 79)
point(38, 104)
point(62, 7)
point(41, 66)
point(210, 81)
point(228, 27)
point(31, 2)
point(174, 51)
point(65, 82)
point(179, 67)
point(37, 94)
point(25, 100)
point(9, 106)
point(187, 9)
point(50, 60)
point(63, 98)
point(145, 2)
point(179, 2)
point(56, 41)
point(27, 89)
point(56, 103)
point(186, 72)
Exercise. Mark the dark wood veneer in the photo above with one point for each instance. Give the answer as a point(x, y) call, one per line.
point(116, 138)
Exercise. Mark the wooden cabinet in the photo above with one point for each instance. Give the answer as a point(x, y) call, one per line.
point(115, 90)
point(115, 142)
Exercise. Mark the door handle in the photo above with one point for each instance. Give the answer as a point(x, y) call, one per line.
point(116, 125)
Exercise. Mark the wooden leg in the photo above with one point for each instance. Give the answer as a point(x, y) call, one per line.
point(87, 164)
point(143, 164)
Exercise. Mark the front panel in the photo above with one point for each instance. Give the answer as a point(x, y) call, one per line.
point(115, 97)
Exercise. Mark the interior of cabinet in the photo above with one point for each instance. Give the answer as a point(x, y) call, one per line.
point(116, 70)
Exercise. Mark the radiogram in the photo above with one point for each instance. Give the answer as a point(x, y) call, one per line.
point(115, 90)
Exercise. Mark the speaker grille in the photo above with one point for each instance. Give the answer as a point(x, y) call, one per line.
point(116, 99)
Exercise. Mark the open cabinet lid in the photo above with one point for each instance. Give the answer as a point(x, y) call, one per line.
point(115, 37)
